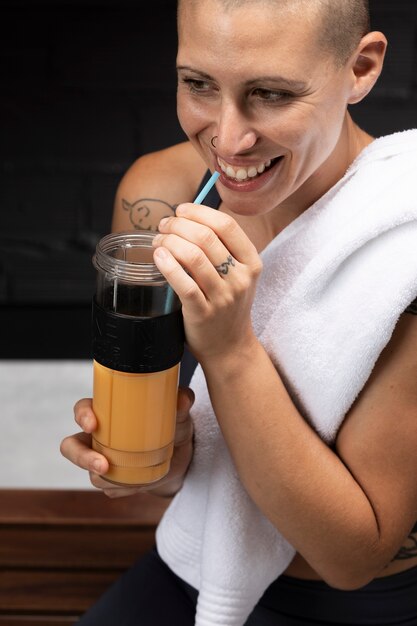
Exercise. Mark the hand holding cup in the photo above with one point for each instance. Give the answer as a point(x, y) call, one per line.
point(77, 449)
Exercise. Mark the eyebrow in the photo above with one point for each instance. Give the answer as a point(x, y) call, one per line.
point(191, 69)
point(297, 85)
point(289, 83)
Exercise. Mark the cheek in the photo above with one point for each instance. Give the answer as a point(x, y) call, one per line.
point(192, 116)
point(296, 128)
point(312, 128)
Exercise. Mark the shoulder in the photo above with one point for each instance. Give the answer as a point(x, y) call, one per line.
point(178, 166)
point(154, 184)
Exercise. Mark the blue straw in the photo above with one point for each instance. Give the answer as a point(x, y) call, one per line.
point(206, 188)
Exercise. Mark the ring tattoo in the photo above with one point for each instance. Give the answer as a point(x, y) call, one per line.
point(224, 267)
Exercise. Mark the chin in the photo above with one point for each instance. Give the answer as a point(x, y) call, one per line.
point(249, 208)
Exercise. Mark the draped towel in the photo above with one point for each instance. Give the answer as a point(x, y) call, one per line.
point(334, 284)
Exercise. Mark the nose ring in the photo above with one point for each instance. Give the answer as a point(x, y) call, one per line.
point(212, 140)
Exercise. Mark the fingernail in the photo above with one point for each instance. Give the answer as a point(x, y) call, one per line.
point(157, 238)
point(97, 465)
point(180, 210)
point(161, 253)
point(163, 221)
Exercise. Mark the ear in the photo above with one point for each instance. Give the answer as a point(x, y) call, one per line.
point(366, 65)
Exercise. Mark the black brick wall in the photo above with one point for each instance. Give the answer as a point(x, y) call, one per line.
point(85, 88)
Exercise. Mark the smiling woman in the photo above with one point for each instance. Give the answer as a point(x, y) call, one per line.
point(299, 480)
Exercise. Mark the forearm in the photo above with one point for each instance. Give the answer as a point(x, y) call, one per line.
point(298, 482)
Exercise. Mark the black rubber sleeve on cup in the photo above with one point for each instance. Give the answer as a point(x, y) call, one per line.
point(134, 344)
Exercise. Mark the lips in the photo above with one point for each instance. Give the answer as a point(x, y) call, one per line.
point(240, 172)
point(246, 180)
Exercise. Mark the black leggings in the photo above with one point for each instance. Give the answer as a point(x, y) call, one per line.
point(149, 594)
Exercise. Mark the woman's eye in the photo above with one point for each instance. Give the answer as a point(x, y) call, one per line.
point(269, 95)
point(196, 86)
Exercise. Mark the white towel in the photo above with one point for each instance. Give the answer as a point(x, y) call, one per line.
point(334, 283)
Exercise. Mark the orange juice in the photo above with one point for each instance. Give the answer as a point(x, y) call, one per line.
point(136, 416)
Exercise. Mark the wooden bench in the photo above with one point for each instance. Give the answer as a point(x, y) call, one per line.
point(59, 550)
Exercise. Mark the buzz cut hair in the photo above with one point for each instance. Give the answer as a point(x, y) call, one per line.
point(342, 23)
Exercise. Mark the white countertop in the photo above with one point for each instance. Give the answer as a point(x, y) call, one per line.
point(36, 413)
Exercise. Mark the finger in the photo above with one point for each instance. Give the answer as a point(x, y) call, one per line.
point(226, 228)
point(184, 428)
point(194, 260)
point(203, 243)
point(84, 415)
point(184, 285)
point(185, 401)
point(197, 234)
point(77, 449)
point(184, 432)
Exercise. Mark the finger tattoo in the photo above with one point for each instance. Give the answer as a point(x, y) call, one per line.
point(224, 267)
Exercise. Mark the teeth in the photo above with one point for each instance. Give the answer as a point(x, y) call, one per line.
point(242, 173)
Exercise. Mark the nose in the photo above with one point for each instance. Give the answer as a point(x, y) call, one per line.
point(235, 133)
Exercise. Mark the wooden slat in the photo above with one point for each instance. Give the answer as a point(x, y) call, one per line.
point(31, 506)
point(60, 550)
point(81, 548)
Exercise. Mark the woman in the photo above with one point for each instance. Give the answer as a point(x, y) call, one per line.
point(297, 497)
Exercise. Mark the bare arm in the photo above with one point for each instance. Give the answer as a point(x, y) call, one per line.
point(347, 510)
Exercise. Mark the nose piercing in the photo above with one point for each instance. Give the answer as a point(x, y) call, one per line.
point(212, 140)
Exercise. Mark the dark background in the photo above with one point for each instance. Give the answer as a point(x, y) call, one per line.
point(85, 88)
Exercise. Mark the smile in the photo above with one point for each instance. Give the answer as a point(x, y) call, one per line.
point(241, 173)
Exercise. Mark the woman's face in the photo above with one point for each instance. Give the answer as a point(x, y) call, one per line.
point(254, 77)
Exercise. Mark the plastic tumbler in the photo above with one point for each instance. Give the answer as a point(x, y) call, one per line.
point(138, 342)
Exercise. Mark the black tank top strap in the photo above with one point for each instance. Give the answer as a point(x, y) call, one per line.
point(412, 308)
point(212, 199)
